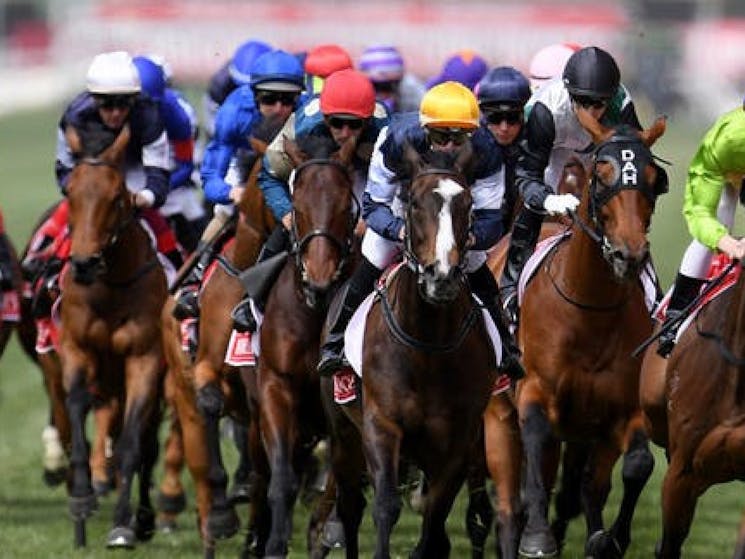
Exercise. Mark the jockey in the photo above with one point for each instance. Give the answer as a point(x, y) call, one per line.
point(465, 66)
point(715, 177)
point(233, 74)
point(6, 262)
point(183, 207)
point(345, 108)
point(398, 91)
point(112, 99)
point(448, 117)
point(273, 93)
point(591, 82)
point(502, 94)
point(548, 63)
point(322, 61)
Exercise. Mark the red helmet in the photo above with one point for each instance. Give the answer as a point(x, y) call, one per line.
point(348, 92)
point(324, 60)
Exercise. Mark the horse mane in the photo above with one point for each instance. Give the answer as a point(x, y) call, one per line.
point(317, 147)
point(95, 137)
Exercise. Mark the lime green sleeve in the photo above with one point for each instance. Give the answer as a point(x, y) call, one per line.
point(720, 157)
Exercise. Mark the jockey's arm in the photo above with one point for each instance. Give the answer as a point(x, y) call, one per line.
point(380, 191)
point(64, 162)
point(275, 172)
point(157, 176)
point(181, 138)
point(487, 213)
point(535, 152)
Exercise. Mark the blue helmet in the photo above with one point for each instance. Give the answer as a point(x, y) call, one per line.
point(277, 71)
point(152, 77)
point(243, 58)
point(503, 86)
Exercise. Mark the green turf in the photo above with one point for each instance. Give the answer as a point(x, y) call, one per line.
point(33, 519)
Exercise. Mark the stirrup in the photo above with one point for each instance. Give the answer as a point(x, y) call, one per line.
point(666, 341)
point(187, 303)
point(511, 309)
point(330, 362)
point(243, 318)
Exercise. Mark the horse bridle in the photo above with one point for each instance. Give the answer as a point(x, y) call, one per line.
point(344, 246)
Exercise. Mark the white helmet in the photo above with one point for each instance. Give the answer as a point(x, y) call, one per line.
point(548, 63)
point(113, 73)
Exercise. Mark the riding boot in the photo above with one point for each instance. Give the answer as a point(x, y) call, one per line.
point(6, 267)
point(524, 236)
point(483, 285)
point(187, 302)
point(359, 286)
point(46, 288)
point(685, 290)
point(243, 318)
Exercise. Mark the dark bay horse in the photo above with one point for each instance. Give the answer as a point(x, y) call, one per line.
point(290, 418)
point(696, 409)
point(7, 325)
point(582, 316)
point(428, 368)
point(111, 335)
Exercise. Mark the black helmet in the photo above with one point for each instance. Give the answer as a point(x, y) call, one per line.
point(591, 72)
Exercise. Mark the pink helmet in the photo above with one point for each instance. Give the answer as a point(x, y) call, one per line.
point(548, 63)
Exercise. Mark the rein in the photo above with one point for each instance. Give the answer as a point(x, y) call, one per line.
point(408, 340)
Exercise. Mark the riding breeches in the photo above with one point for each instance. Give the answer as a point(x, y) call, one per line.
point(697, 257)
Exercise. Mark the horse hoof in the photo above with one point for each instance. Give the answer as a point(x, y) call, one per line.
point(171, 504)
point(538, 544)
point(601, 545)
point(83, 507)
point(240, 493)
point(222, 523)
point(53, 478)
point(333, 535)
point(144, 524)
point(121, 537)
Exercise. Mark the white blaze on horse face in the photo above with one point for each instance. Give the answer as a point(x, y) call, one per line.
point(445, 241)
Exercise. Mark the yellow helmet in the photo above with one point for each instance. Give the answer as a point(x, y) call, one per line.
point(450, 105)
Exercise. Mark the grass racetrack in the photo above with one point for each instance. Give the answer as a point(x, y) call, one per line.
point(33, 518)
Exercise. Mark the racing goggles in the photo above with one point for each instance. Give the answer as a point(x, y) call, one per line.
point(443, 136)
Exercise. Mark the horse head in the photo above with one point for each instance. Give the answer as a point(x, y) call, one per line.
point(438, 218)
point(624, 184)
point(100, 204)
point(324, 213)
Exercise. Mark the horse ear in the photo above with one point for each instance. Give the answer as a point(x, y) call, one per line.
point(73, 140)
point(345, 154)
point(115, 152)
point(293, 151)
point(598, 132)
point(412, 161)
point(463, 158)
point(651, 134)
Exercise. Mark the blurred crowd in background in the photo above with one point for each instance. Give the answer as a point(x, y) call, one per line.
point(676, 55)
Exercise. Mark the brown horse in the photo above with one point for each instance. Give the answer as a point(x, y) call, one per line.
point(290, 417)
point(427, 369)
point(7, 324)
point(111, 335)
point(694, 404)
point(581, 317)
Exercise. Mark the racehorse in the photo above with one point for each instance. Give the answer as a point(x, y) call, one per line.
point(111, 334)
point(290, 417)
point(693, 401)
point(8, 323)
point(428, 367)
point(582, 315)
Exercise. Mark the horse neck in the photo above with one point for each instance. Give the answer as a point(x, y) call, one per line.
point(131, 251)
point(584, 274)
point(734, 321)
point(412, 310)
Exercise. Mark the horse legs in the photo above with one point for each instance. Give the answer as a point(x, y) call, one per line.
point(740, 547)
point(145, 516)
point(259, 524)
point(171, 496)
point(504, 457)
point(479, 513)
point(652, 395)
point(82, 498)
point(568, 502)
point(142, 387)
point(638, 464)
point(680, 492)
point(102, 476)
point(382, 445)
point(56, 435)
point(240, 491)
point(537, 540)
point(279, 429)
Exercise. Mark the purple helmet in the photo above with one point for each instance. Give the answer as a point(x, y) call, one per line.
point(382, 63)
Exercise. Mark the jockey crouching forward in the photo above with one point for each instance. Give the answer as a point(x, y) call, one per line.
point(345, 108)
point(448, 117)
point(715, 178)
point(111, 101)
point(553, 134)
point(273, 93)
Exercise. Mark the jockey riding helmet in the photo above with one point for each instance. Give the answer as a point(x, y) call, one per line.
point(277, 70)
point(324, 60)
point(549, 62)
point(152, 77)
point(113, 73)
point(348, 92)
point(243, 58)
point(465, 66)
point(449, 105)
point(382, 63)
point(591, 72)
point(503, 88)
